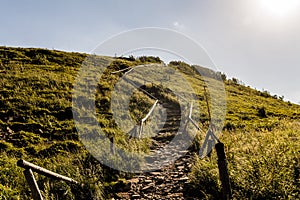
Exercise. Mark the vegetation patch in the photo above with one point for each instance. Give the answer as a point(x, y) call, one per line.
point(261, 131)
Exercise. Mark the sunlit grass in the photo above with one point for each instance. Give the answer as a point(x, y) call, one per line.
point(261, 164)
point(36, 105)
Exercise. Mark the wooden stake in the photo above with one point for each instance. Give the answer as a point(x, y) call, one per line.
point(207, 103)
point(223, 171)
point(36, 194)
point(112, 148)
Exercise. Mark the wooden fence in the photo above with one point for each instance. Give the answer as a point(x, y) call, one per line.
point(28, 172)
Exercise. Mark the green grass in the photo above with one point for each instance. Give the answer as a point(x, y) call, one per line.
point(261, 131)
point(262, 164)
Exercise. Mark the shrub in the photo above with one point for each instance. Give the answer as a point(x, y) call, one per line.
point(150, 59)
point(262, 112)
point(204, 180)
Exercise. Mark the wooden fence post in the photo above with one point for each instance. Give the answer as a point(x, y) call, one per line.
point(36, 194)
point(112, 147)
point(223, 171)
point(29, 167)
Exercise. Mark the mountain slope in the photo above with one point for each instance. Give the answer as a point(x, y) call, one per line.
point(36, 124)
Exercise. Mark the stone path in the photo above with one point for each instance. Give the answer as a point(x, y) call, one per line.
point(169, 182)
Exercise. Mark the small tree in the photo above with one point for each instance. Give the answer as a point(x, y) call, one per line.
point(235, 80)
point(262, 112)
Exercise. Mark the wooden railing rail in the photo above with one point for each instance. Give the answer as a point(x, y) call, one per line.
point(146, 117)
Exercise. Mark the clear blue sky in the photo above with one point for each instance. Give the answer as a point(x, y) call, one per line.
point(256, 41)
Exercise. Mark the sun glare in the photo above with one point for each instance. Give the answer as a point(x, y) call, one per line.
point(280, 8)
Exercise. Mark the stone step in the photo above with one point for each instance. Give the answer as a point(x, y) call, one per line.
point(170, 181)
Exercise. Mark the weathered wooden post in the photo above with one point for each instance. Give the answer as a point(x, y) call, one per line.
point(223, 171)
point(222, 162)
point(28, 172)
point(36, 194)
point(112, 147)
point(206, 99)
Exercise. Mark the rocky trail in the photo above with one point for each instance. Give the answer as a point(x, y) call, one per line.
point(171, 181)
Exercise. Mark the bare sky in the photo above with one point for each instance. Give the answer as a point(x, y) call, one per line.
point(256, 41)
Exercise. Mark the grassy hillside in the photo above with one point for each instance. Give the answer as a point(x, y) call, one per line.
point(261, 131)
